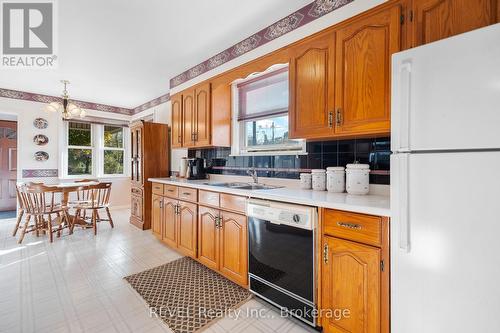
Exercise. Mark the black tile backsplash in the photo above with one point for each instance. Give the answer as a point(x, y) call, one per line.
point(321, 154)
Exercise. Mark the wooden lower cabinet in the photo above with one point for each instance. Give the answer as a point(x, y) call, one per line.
point(355, 272)
point(351, 281)
point(169, 222)
point(234, 247)
point(156, 215)
point(222, 243)
point(208, 237)
point(136, 208)
point(186, 228)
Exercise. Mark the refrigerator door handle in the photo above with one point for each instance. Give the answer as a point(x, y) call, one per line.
point(404, 216)
point(401, 106)
point(405, 105)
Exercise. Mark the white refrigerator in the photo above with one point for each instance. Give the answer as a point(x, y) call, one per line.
point(445, 186)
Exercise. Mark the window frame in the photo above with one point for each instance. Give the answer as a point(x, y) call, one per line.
point(98, 148)
point(239, 146)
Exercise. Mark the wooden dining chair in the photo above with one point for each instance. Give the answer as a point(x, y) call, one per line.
point(20, 206)
point(42, 203)
point(92, 198)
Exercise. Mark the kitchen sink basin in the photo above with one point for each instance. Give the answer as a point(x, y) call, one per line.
point(244, 186)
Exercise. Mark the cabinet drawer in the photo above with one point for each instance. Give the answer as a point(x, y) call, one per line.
point(361, 228)
point(189, 194)
point(233, 202)
point(158, 188)
point(136, 191)
point(209, 198)
point(171, 191)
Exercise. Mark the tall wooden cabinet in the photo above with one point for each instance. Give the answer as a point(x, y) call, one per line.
point(149, 158)
point(176, 139)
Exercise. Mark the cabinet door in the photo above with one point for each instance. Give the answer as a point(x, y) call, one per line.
point(438, 19)
point(169, 222)
point(176, 139)
point(208, 237)
point(351, 280)
point(136, 155)
point(187, 228)
point(311, 80)
point(363, 72)
point(136, 209)
point(202, 107)
point(233, 247)
point(188, 118)
point(157, 214)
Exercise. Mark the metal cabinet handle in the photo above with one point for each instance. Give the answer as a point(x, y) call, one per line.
point(349, 225)
point(325, 253)
point(330, 119)
point(161, 203)
point(186, 193)
point(171, 191)
point(179, 139)
point(338, 117)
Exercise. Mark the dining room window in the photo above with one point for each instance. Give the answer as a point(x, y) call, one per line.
point(95, 150)
point(80, 149)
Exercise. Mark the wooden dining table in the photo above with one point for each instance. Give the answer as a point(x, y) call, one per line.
point(67, 188)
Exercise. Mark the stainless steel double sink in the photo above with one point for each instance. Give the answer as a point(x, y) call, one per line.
point(244, 186)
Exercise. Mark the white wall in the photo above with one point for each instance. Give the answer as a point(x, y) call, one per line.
point(319, 24)
point(26, 112)
point(162, 114)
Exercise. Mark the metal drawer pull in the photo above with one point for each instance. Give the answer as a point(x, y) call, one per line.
point(349, 225)
point(186, 193)
point(171, 190)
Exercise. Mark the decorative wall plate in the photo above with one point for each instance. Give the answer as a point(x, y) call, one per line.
point(41, 156)
point(40, 123)
point(40, 140)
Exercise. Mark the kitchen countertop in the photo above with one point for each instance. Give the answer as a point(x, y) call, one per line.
point(367, 204)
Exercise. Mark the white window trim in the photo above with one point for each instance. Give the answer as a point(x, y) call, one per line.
point(97, 146)
point(238, 131)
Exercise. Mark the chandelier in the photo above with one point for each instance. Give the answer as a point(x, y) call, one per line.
point(68, 109)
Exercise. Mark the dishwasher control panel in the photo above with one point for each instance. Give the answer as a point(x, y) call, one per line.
point(281, 213)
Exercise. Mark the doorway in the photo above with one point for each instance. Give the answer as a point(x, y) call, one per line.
point(8, 168)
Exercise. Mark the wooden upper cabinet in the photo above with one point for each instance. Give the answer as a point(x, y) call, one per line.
point(202, 115)
point(176, 139)
point(221, 114)
point(156, 216)
point(188, 118)
point(351, 280)
point(233, 247)
point(363, 70)
point(169, 222)
point(208, 237)
point(311, 75)
point(438, 19)
point(187, 228)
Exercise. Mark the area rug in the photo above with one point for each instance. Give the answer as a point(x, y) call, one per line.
point(186, 295)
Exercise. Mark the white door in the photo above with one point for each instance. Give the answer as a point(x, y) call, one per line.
point(445, 248)
point(446, 95)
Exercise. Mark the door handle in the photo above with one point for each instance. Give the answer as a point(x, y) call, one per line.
point(330, 119)
point(402, 216)
point(338, 117)
point(403, 100)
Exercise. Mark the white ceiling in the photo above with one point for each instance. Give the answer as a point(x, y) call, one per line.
point(123, 53)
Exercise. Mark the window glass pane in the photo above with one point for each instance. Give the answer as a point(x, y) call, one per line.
point(113, 162)
point(270, 131)
point(79, 134)
point(113, 137)
point(79, 161)
point(263, 95)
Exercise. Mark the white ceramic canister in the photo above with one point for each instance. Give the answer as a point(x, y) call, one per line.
point(183, 167)
point(318, 179)
point(305, 181)
point(358, 178)
point(335, 179)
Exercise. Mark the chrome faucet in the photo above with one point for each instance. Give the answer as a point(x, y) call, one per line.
point(253, 173)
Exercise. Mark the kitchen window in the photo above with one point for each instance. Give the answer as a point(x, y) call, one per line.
point(94, 150)
point(261, 115)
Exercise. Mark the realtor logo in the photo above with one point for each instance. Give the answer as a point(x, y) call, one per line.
point(28, 34)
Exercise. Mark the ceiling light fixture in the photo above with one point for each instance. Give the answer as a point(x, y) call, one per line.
point(68, 109)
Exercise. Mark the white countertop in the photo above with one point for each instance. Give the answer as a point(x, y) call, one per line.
point(367, 204)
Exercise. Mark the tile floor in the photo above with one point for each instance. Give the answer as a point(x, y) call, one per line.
point(76, 284)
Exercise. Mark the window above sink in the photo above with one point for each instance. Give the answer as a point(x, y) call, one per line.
point(260, 114)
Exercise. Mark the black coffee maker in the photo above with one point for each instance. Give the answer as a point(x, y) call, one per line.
point(196, 168)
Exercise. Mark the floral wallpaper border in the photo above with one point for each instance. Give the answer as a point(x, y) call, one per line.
point(306, 14)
